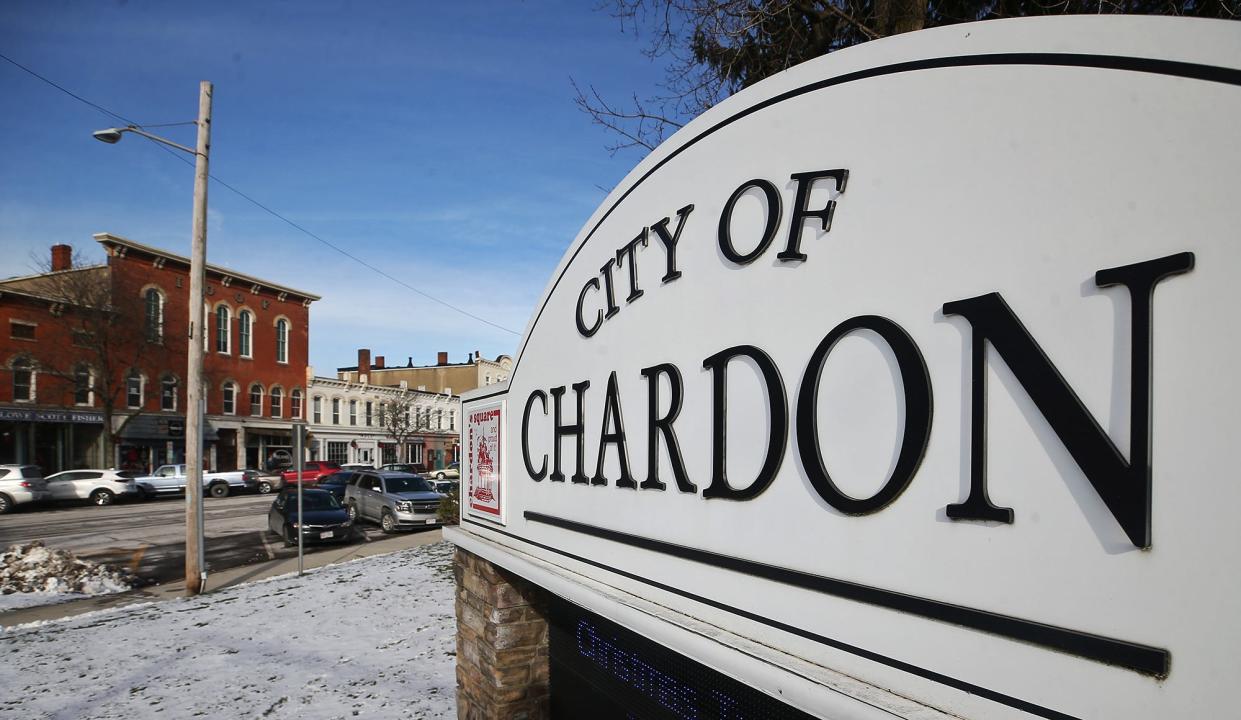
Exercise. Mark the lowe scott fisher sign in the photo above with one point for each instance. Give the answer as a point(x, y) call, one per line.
point(905, 380)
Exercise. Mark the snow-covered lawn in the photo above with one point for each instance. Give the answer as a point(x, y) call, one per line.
point(373, 638)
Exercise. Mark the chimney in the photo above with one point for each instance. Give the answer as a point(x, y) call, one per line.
point(477, 356)
point(379, 362)
point(410, 362)
point(364, 362)
point(442, 359)
point(62, 257)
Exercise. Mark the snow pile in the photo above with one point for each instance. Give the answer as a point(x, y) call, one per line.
point(372, 638)
point(37, 575)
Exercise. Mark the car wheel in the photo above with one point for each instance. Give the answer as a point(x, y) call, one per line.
point(387, 521)
point(264, 488)
point(219, 490)
point(102, 497)
point(439, 476)
point(6, 503)
point(352, 509)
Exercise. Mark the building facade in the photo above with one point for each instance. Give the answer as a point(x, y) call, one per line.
point(353, 422)
point(133, 367)
point(442, 377)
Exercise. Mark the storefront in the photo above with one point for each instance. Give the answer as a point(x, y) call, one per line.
point(53, 439)
point(148, 441)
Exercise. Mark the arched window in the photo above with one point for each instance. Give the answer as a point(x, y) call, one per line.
point(222, 334)
point(168, 393)
point(83, 384)
point(133, 390)
point(23, 380)
point(317, 405)
point(282, 340)
point(256, 399)
point(230, 398)
point(245, 321)
point(295, 404)
point(277, 402)
point(154, 315)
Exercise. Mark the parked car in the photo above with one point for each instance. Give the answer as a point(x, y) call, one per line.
point(444, 487)
point(337, 482)
point(171, 480)
point(268, 482)
point(101, 487)
point(392, 499)
point(357, 466)
point(452, 471)
point(325, 519)
point(312, 471)
point(21, 484)
point(409, 468)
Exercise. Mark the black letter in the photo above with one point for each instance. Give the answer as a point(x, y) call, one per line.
point(805, 183)
point(606, 270)
point(539, 474)
point(917, 386)
point(773, 219)
point(663, 425)
point(630, 249)
point(779, 423)
point(581, 326)
point(1124, 486)
point(670, 241)
point(578, 429)
point(612, 410)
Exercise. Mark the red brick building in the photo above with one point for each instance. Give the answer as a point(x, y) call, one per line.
point(55, 383)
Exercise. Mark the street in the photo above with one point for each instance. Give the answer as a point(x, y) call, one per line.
point(149, 537)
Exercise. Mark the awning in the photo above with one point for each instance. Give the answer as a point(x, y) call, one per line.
point(163, 427)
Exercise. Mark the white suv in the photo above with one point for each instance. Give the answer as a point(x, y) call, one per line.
point(20, 484)
point(101, 487)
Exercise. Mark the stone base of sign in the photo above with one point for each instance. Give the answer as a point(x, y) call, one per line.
point(502, 659)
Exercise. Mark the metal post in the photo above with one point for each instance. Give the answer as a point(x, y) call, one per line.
point(299, 433)
point(195, 568)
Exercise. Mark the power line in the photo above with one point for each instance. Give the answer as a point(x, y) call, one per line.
point(260, 205)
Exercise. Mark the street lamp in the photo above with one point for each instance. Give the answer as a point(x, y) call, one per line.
point(195, 567)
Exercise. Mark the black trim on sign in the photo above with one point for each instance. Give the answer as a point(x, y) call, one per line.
point(1172, 68)
point(962, 685)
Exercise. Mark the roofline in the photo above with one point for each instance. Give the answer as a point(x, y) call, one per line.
point(106, 238)
point(50, 273)
point(392, 389)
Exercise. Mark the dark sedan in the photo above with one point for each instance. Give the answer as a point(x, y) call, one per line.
point(325, 519)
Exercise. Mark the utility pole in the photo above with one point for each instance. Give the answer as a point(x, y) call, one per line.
point(195, 567)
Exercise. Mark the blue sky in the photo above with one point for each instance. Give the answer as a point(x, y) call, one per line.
point(438, 141)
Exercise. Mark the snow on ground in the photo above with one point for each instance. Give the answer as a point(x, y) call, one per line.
point(37, 575)
point(373, 638)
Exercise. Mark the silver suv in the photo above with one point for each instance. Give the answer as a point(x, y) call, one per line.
point(20, 484)
point(392, 499)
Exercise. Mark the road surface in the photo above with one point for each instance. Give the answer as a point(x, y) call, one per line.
point(149, 537)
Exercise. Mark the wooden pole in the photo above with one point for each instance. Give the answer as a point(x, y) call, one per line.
point(195, 568)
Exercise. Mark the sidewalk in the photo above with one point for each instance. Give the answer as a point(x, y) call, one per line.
point(223, 579)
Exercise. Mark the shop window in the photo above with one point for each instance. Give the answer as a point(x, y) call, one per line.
point(277, 402)
point(387, 452)
point(245, 321)
point(353, 412)
point(21, 330)
point(154, 316)
point(222, 322)
point(317, 404)
point(82, 386)
point(282, 340)
point(338, 452)
point(335, 411)
point(230, 398)
point(168, 393)
point(415, 454)
point(133, 390)
point(23, 380)
point(256, 399)
point(295, 404)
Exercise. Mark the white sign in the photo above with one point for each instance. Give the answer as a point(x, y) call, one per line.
point(484, 475)
point(915, 365)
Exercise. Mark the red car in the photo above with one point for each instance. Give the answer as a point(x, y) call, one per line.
point(312, 472)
